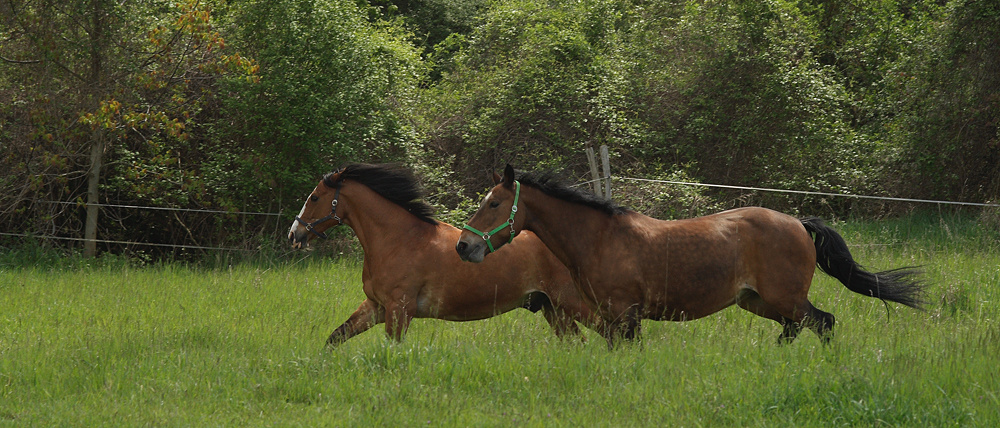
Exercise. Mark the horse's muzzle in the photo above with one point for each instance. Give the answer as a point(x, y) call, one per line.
point(299, 239)
point(474, 252)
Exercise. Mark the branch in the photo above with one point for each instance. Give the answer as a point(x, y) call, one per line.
point(14, 61)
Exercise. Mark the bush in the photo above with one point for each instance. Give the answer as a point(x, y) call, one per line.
point(533, 86)
point(333, 88)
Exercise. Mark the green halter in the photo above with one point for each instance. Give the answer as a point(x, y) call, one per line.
point(509, 222)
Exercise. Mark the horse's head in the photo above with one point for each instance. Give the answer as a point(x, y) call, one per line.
point(495, 223)
point(319, 212)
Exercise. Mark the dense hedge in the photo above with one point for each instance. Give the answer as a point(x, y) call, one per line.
point(244, 105)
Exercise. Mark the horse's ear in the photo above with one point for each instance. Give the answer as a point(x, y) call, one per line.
point(508, 176)
point(496, 178)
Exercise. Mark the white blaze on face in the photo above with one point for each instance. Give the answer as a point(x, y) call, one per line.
point(488, 196)
point(295, 223)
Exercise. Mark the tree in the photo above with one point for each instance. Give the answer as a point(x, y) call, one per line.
point(333, 88)
point(731, 91)
point(534, 85)
point(943, 99)
point(96, 83)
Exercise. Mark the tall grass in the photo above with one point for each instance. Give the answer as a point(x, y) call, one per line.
point(127, 344)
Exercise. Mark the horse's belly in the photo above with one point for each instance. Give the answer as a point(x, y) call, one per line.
point(682, 312)
point(691, 300)
point(467, 304)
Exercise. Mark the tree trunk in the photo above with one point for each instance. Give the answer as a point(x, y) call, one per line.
point(97, 147)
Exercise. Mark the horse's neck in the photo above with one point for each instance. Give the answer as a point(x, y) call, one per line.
point(379, 224)
point(572, 232)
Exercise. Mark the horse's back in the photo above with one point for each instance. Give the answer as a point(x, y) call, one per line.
point(754, 237)
point(772, 240)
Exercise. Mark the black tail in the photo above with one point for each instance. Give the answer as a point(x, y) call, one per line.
point(832, 256)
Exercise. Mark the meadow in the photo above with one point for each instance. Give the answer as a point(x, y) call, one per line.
point(91, 343)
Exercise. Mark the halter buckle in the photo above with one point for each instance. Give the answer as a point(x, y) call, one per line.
point(334, 206)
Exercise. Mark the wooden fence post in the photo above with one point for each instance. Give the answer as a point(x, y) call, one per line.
point(607, 172)
point(93, 195)
point(596, 176)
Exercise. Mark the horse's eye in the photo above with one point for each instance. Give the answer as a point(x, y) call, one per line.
point(494, 204)
point(314, 198)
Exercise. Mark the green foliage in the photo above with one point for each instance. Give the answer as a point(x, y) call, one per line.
point(945, 96)
point(134, 81)
point(534, 85)
point(437, 26)
point(333, 88)
point(863, 39)
point(665, 201)
point(244, 105)
point(443, 188)
point(735, 89)
point(32, 253)
point(155, 156)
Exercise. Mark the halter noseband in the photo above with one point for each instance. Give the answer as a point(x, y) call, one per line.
point(509, 222)
point(333, 216)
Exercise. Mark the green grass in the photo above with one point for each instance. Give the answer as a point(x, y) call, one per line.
point(121, 344)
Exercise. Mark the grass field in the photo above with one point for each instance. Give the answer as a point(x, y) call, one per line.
point(122, 344)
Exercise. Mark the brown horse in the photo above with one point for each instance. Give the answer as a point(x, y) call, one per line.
point(410, 268)
point(631, 267)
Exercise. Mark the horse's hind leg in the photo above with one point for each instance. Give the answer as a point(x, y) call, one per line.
point(752, 302)
point(820, 322)
point(367, 315)
point(789, 331)
point(817, 320)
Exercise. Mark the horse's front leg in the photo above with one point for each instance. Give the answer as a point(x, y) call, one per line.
point(562, 323)
point(625, 326)
point(563, 318)
point(368, 315)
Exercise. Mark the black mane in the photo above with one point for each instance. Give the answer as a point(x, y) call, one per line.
point(393, 182)
point(551, 185)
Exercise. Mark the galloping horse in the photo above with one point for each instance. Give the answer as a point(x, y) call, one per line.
point(631, 267)
point(410, 268)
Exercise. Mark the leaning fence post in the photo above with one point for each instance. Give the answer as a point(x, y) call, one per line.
point(595, 176)
point(607, 171)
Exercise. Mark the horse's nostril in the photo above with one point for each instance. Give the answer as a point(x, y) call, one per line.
point(460, 247)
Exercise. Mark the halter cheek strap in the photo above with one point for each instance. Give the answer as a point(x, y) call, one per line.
point(333, 216)
point(509, 222)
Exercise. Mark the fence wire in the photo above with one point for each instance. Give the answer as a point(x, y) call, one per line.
point(190, 210)
point(645, 180)
point(808, 192)
point(110, 241)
